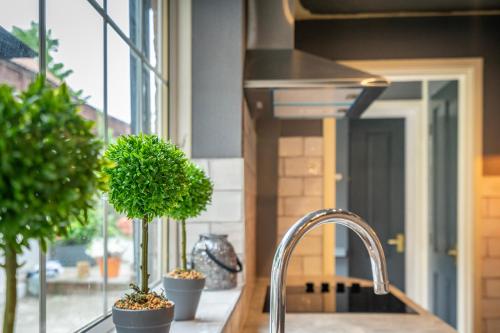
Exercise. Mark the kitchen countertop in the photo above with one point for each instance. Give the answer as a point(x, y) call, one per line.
point(423, 322)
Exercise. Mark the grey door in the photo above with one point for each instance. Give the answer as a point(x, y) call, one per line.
point(377, 192)
point(443, 199)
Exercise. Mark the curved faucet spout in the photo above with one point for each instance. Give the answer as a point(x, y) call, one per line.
point(295, 234)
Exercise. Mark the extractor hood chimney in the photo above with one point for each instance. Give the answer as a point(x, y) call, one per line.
point(302, 85)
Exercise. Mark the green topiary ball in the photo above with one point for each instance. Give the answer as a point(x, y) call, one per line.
point(146, 177)
point(197, 197)
point(48, 162)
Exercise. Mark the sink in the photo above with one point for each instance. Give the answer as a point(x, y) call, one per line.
point(342, 298)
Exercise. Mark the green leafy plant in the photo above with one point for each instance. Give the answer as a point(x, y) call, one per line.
point(30, 37)
point(79, 234)
point(48, 179)
point(192, 203)
point(146, 179)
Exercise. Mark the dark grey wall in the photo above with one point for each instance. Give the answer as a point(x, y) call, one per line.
point(268, 131)
point(217, 69)
point(301, 127)
point(404, 38)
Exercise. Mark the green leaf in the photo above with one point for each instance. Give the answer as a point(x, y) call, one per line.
point(196, 198)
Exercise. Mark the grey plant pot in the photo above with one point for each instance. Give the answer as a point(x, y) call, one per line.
point(185, 294)
point(143, 321)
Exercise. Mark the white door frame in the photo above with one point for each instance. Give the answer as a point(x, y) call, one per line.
point(469, 73)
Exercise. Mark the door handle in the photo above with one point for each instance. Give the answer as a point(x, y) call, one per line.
point(453, 252)
point(398, 242)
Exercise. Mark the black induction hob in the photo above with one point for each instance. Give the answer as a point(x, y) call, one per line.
point(312, 298)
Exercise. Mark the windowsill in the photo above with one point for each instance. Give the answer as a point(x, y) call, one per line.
point(213, 312)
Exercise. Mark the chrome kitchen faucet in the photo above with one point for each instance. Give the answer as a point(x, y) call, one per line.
point(295, 234)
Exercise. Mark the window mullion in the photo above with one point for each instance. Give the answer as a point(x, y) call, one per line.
point(133, 48)
point(104, 202)
point(42, 68)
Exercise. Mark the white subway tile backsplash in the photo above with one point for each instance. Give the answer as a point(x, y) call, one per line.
point(227, 173)
point(235, 233)
point(193, 232)
point(226, 206)
point(203, 164)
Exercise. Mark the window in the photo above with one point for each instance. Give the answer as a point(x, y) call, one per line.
point(108, 52)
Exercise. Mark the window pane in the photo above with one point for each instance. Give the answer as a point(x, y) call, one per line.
point(119, 11)
point(75, 56)
point(122, 255)
point(74, 274)
point(155, 251)
point(127, 15)
point(122, 105)
point(18, 65)
point(151, 30)
point(19, 43)
point(151, 100)
point(130, 112)
point(123, 118)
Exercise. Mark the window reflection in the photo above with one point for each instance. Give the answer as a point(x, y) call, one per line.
point(141, 29)
point(75, 55)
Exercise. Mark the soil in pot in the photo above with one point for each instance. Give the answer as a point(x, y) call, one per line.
point(184, 289)
point(143, 313)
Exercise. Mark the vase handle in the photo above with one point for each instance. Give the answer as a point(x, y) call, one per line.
point(239, 266)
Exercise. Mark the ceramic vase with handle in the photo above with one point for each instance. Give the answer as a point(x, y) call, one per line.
point(214, 256)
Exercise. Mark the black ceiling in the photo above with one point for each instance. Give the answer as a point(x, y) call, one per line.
point(391, 6)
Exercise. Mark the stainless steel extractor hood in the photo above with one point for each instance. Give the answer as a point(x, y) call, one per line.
point(301, 85)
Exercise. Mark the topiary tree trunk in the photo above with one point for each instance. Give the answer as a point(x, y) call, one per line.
point(10, 267)
point(144, 256)
point(183, 245)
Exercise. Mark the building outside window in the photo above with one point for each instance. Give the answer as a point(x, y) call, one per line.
point(109, 54)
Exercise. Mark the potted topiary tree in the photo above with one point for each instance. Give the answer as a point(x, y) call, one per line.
point(48, 159)
point(147, 177)
point(182, 285)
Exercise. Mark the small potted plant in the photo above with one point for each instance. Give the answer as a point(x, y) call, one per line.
point(146, 179)
point(48, 159)
point(182, 285)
